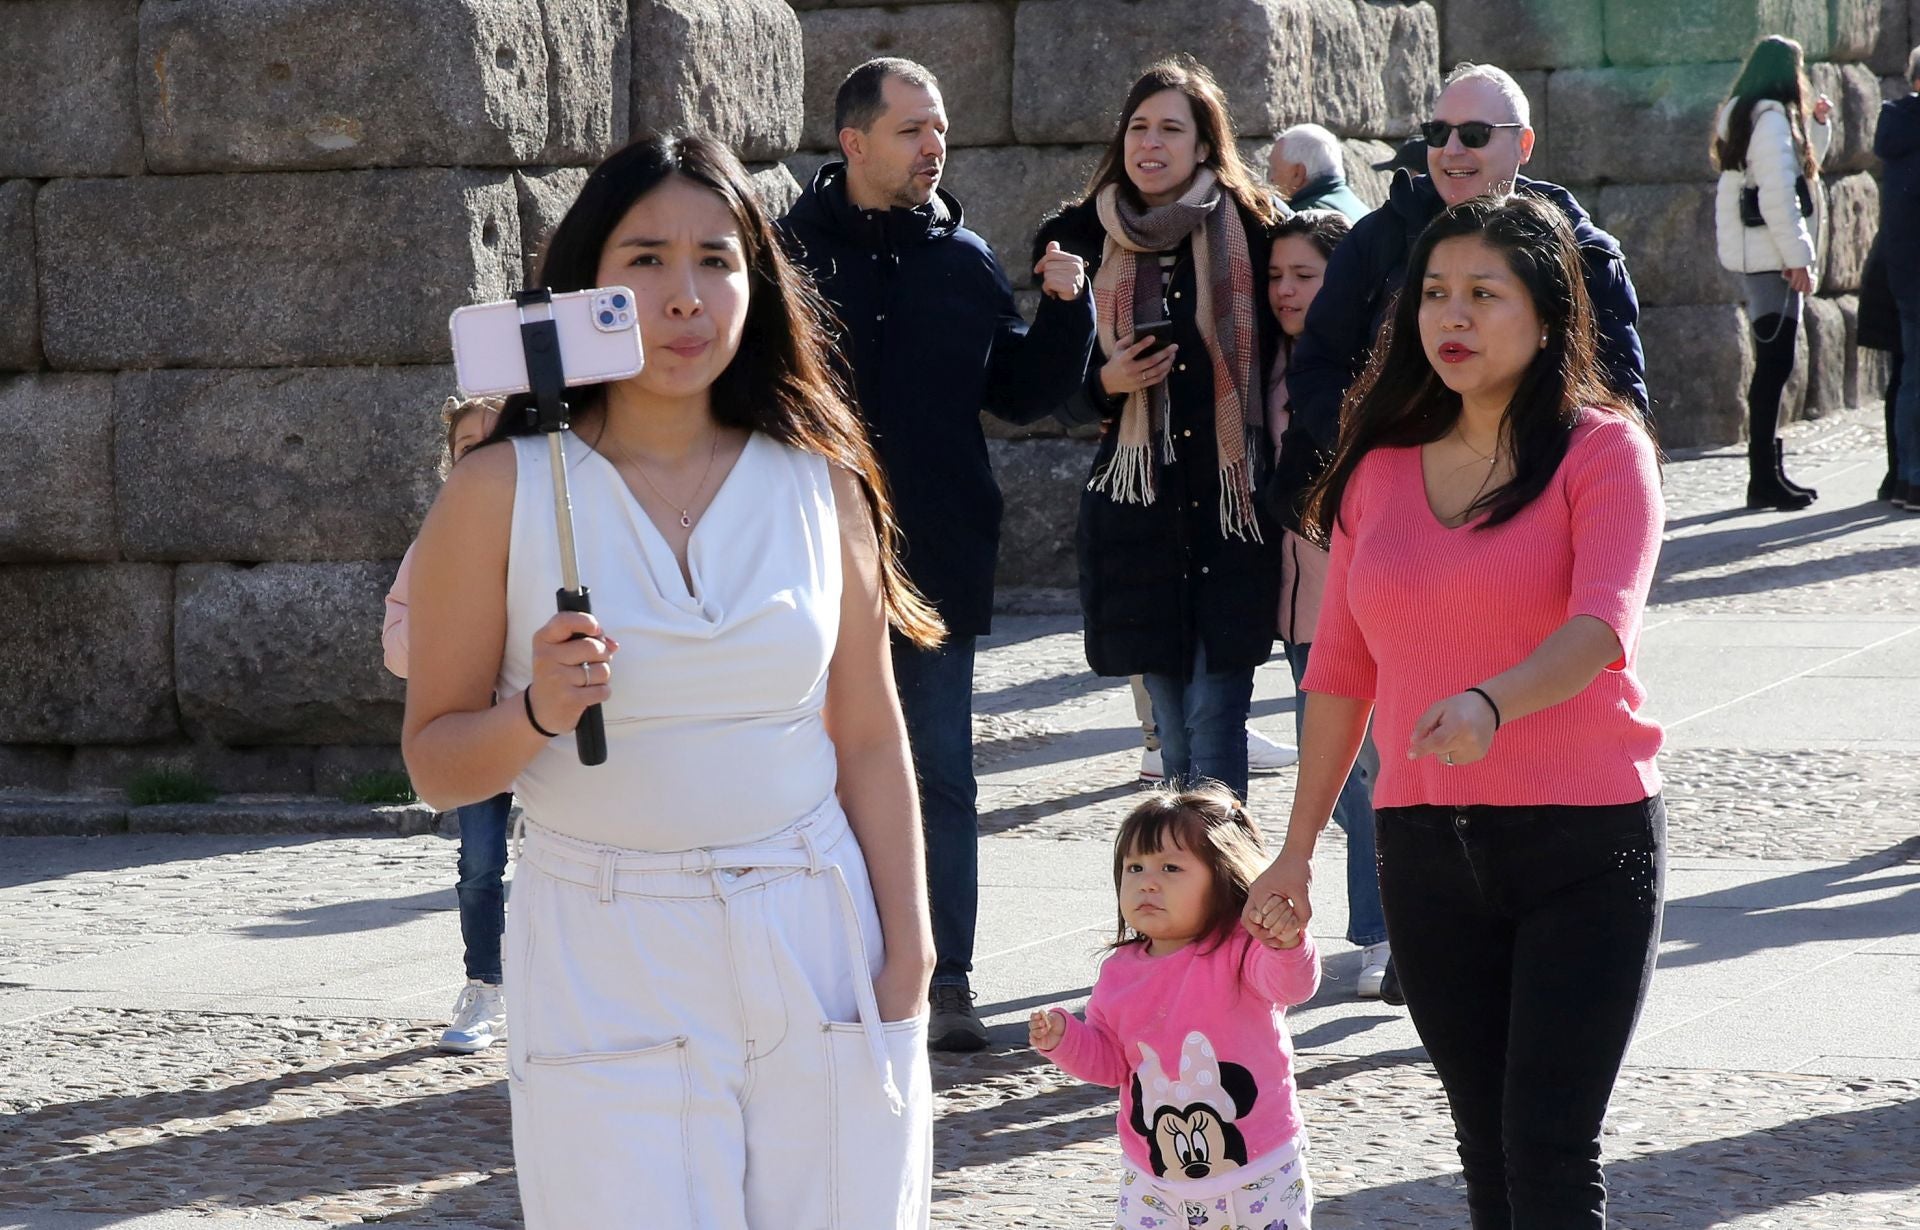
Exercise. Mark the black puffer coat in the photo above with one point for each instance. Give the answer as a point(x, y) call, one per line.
point(1157, 580)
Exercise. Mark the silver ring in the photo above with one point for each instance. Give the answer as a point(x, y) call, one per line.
point(586, 673)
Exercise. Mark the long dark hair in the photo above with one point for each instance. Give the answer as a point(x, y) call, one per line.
point(1776, 69)
point(1208, 822)
point(1212, 124)
point(779, 381)
point(1400, 400)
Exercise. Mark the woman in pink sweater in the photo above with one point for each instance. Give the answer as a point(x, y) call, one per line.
point(1495, 514)
point(1187, 1019)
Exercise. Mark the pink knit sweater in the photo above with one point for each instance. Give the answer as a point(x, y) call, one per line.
point(1416, 612)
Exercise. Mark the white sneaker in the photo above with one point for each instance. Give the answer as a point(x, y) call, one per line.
point(1373, 970)
point(1264, 753)
point(479, 1019)
point(1150, 773)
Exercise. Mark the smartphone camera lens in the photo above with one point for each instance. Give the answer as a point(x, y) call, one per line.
point(620, 301)
point(606, 318)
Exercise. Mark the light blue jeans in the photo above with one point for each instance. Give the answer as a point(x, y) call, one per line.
point(1202, 720)
point(1353, 812)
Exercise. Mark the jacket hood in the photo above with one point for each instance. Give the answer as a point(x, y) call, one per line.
point(1417, 201)
point(825, 206)
point(1899, 133)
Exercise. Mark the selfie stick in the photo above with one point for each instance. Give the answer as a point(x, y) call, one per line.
point(547, 380)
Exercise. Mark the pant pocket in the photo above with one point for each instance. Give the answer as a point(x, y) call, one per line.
point(881, 1161)
point(600, 1138)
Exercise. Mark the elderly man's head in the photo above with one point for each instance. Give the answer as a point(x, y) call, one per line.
point(1480, 135)
point(1913, 68)
point(1302, 154)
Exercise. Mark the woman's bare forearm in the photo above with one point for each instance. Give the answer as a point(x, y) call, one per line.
point(1330, 737)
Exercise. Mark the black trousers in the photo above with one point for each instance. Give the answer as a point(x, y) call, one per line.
point(1524, 939)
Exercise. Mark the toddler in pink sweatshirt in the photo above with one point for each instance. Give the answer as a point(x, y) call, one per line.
point(1187, 1021)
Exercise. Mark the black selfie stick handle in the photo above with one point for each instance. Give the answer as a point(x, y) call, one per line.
point(546, 380)
point(590, 736)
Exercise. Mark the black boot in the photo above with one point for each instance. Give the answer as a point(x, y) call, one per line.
point(1765, 490)
point(1773, 340)
point(1780, 472)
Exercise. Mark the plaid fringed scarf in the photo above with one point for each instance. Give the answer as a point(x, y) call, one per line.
point(1224, 314)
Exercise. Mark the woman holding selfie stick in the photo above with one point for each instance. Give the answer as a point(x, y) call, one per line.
point(719, 937)
point(1179, 582)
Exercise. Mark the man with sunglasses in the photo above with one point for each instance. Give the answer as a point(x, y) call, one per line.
point(1477, 140)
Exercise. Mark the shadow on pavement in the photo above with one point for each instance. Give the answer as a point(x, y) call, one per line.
point(1842, 1154)
point(340, 917)
point(35, 860)
point(1791, 907)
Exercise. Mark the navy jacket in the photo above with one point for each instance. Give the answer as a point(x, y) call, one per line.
point(929, 337)
point(1896, 142)
point(1361, 280)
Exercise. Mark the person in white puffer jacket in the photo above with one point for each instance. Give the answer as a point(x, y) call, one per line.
point(1768, 144)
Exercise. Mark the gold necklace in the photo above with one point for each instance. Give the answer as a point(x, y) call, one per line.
point(686, 518)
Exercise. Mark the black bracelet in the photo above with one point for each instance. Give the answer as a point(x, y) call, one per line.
point(1481, 693)
point(526, 701)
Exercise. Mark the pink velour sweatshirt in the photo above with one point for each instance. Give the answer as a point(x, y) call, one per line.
point(1416, 612)
point(1197, 1043)
point(393, 630)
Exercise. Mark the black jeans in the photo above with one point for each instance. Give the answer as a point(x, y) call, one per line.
point(1524, 938)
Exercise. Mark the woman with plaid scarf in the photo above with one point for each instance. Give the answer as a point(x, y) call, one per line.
point(1179, 575)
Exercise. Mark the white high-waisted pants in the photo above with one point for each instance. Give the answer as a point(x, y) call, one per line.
point(693, 1040)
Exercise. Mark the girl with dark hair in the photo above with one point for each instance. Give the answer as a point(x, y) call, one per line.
point(1768, 144)
point(1178, 576)
point(1187, 1020)
point(1295, 272)
point(719, 941)
point(1494, 512)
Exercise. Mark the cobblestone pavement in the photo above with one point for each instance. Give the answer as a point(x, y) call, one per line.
point(352, 1120)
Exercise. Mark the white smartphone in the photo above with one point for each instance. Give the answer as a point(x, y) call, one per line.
point(599, 341)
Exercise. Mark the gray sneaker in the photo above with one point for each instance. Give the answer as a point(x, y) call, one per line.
point(955, 1026)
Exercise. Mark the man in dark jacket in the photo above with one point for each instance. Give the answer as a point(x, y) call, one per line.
point(930, 336)
point(1308, 169)
point(1896, 142)
point(1484, 104)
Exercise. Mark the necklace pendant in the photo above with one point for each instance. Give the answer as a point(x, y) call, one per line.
point(686, 522)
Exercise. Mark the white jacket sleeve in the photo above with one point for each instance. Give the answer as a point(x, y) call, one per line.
point(1772, 163)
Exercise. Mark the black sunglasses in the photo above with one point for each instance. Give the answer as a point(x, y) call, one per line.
point(1474, 134)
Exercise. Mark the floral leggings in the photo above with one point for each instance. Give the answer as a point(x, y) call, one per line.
point(1280, 1199)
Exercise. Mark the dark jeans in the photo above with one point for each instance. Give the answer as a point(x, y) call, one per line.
point(936, 698)
point(1524, 938)
point(1906, 401)
point(483, 898)
point(1202, 718)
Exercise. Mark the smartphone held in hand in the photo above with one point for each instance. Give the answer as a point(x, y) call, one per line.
point(1161, 331)
point(599, 341)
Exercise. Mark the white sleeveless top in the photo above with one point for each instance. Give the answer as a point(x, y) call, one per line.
point(714, 732)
